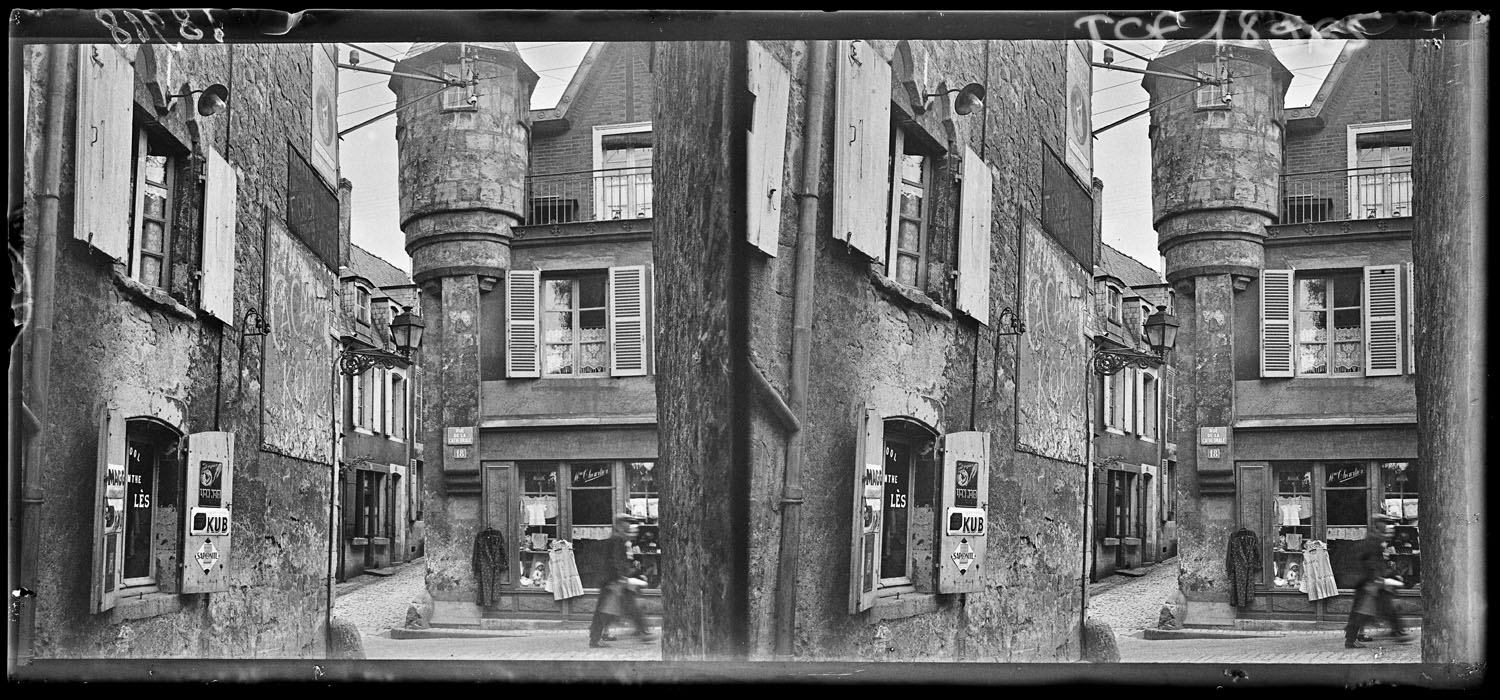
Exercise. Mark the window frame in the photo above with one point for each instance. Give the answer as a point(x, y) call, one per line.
point(900, 141)
point(456, 98)
point(634, 171)
point(1114, 304)
point(1209, 96)
point(139, 185)
point(1330, 308)
point(1385, 208)
point(575, 311)
point(1149, 425)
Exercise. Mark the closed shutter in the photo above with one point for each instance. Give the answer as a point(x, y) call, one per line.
point(861, 148)
point(109, 511)
point(974, 239)
point(1129, 402)
point(869, 493)
point(220, 197)
point(521, 318)
point(764, 191)
point(1108, 381)
point(1411, 330)
point(102, 157)
point(209, 506)
point(627, 321)
point(1276, 323)
point(966, 465)
point(1382, 321)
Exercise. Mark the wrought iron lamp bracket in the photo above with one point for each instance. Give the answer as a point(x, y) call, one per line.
point(1109, 362)
point(356, 362)
point(1009, 323)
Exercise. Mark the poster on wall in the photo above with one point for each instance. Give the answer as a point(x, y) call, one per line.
point(1051, 373)
point(1080, 150)
point(325, 121)
point(297, 371)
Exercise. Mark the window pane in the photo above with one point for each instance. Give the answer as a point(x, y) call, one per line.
point(1312, 359)
point(1347, 325)
point(910, 235)
point(592, 325)
point(911, 167)
point(911, 202)
point(1312, 293)
point(559, 294)
point(1347, 507)
point(593, 358)
point(1312, 327)
point(141, 470)
point(558, 359)
point(906, 269)
point(151, 271)
point(1346, 290)
point(591, 291)
point(592, 507)
point(156, 169)
point(1348, 357)
point(558, 327)
point(893, 553)
point(151, 237)
point(156, 203)
point(1345, 474)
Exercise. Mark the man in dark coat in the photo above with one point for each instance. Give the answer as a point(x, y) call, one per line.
point(1372, 594)
point(617, 593)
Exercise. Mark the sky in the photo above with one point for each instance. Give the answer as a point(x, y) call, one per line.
point(1122, 154)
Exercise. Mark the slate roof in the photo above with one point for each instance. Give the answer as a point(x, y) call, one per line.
point(1133, 273)
point(375, 269)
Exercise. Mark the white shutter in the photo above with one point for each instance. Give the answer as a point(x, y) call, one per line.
point(970, 447)
point(974, 239)
point(521, 316)
point(1108, 381)
point(1276, 323)
point(209, 507)
point(1411, 330)
point(1382, 320)
point(109, 511)
point(385, 402)
point(102, 157)
point(220, 197)
point(1129, 378)
point(627, 321)
point(764, 188)
point(861, 148)
point(869, 496)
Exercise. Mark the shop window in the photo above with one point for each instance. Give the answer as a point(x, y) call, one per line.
point(590, 506)
point(1399, 481)
point(911, 177)
point(641, 502)
point(1338, 323)
point(540, 518)
point(153, 471)
point(1292, 512)
point(1333, 502)
point(906, 506)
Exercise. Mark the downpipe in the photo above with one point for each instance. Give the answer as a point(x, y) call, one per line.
point(802, 308)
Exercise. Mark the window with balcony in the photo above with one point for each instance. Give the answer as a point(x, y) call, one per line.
point(1380, 184)
point(622, 161)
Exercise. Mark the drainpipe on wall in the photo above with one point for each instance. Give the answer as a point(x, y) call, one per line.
point(39, 359)
point(807, 224)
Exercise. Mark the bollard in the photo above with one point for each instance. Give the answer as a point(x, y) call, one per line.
point(345, 641)
point(1099, 642)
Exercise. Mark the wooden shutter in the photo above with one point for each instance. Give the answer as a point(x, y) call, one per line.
point(1129, 381)
point(220, 197)
point(972, 447)
point(974, 238)
point(521, 316)
point(209, 507)
point(869, 495)
point(1276, 323)
point(1382, 320)
point(861, 148)
point(109, 511)
point(102, 156)
point(1411, 330)
point(764, 188)
point(627, 321)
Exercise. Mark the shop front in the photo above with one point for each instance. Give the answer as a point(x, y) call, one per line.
point(554, 516)
point(1306, 509)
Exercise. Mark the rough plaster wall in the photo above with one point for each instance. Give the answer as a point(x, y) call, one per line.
point(108, 340)
point(863, 340)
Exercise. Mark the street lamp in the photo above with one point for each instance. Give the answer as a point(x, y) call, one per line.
point(406, 330)
point(1161, 333)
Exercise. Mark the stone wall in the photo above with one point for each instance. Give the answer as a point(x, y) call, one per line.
point(115, 340)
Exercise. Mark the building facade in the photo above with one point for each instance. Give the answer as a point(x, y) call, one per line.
point(864, 458)
point(542, 415)
point(1134, 444)
point(1292, 258)
point(179, 362)
point(380, 465)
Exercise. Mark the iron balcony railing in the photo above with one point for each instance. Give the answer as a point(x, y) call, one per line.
point(1341, 195)
point(589, 195)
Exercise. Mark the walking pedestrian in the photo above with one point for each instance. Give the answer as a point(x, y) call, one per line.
point(1372, 594)
point(617, 595)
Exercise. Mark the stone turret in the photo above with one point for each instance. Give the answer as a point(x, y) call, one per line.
point(1216, 160)
point(464, 154)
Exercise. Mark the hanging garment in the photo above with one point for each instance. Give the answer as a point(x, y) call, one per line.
point(1244, 566)
point(565, 580)
point(536, 514)
point(489, 564)
point(1318, 582)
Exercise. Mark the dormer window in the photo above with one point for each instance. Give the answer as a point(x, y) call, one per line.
point(361, 304)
